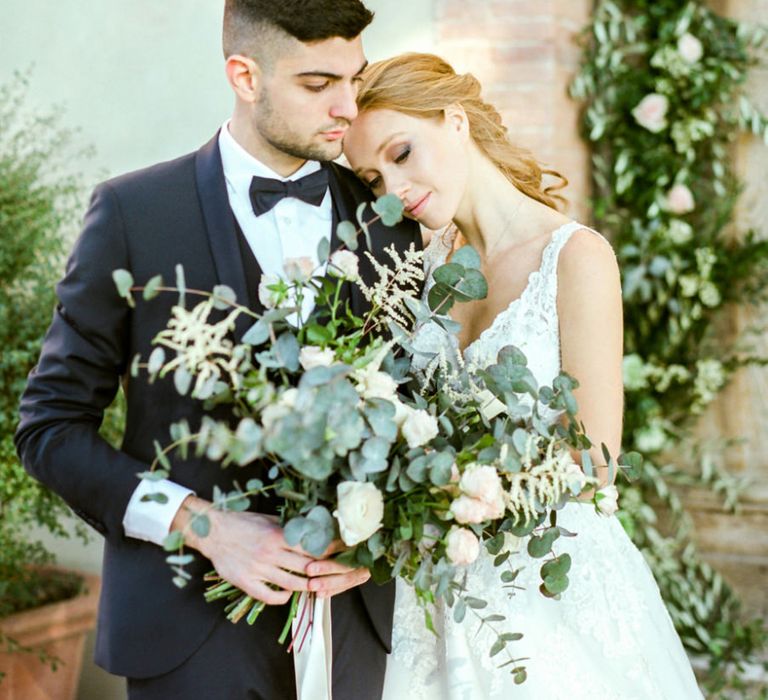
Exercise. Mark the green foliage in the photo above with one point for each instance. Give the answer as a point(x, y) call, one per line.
point(665, 192)
point(38, 206)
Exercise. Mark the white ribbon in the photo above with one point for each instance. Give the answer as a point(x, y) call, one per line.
point(312, 659)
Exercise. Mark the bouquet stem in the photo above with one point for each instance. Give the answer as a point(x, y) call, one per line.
point(291, 615)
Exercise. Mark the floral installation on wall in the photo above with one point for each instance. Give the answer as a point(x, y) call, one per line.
point(662, 84)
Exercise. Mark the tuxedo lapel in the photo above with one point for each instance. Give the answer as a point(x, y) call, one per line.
point(220, 226)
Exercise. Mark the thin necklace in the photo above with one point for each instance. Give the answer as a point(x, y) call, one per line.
point(496, 243)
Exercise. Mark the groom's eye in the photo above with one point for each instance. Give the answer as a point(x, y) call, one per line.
point(317, 88)
point(373, 184)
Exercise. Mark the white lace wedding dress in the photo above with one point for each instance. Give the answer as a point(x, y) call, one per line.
point(609, 637)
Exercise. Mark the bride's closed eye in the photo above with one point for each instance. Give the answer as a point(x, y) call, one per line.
point(399, 159)
point(403, 155)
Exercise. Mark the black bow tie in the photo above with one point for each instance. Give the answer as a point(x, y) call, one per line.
point(266, 192)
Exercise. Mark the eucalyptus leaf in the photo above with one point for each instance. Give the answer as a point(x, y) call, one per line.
point(467, 256)
point(390, 208)
point(224, 297)
point(156, 497)
point(347, 234)
point(173, 541)
point(123, 281)
point(151, 287)
point(323, 250)
point(448, 274)
point(182, 380)
point(200, 524)
point(257, 334)
point(540, 546)
point(287, 351)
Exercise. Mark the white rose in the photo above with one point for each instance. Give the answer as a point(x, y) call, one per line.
point(270, 298)
point(651, 112)
point(312, 356)
point(419, 428)
point(483, 483)
point(299, 269)
point(401, 412)
point(344, 264)
point(468, 510)
point(608, 500)
point(462, 546)
point(690, 48)
point(455, 473)
point(679, 200)
point(577, 479)
point(373, 384)
point(360, 511)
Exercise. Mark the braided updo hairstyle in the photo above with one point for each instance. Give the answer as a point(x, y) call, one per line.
point(423, 85)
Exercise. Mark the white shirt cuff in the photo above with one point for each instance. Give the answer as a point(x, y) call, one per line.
point(149, 520)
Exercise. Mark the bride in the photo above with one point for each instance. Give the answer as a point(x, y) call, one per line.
point(425, 134)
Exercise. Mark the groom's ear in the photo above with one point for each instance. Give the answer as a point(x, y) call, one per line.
point(245, 76)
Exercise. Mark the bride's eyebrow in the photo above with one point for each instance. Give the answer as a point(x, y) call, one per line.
point(388, 141)
point(359, 171)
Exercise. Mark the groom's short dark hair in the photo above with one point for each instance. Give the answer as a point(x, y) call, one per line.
point(250, 26)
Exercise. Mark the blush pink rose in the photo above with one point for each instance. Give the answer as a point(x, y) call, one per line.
point(462, 546)
point(651, 112)
point(470, 511)
point(680, 200)
point(299, 269)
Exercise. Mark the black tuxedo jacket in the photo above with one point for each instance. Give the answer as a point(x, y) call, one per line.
point(148, 222)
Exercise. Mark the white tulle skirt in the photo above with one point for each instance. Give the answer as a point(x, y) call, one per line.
point(608, 638)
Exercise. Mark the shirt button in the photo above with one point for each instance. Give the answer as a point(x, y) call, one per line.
point(287, 220)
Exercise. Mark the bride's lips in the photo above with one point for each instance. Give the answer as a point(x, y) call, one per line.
point(417, 208)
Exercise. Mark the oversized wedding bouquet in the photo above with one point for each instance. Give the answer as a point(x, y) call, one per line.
point(415, 470)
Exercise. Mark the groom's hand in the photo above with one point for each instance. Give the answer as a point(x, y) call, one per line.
point(329, 577)
point(248, 550)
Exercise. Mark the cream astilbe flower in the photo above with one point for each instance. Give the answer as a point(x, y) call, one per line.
point(540, 484)
point(202, 348)
point(395, 284)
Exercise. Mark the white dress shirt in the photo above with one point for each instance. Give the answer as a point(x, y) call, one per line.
point(291, 229)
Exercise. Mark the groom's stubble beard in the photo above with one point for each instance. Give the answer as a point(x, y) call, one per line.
point(274, 132)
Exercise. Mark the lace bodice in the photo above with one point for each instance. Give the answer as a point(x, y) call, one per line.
point(529, 322)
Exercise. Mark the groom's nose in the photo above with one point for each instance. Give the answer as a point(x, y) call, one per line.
point(344, 105)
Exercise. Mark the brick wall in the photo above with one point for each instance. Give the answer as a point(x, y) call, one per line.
point(524, 54)
point(738, 544)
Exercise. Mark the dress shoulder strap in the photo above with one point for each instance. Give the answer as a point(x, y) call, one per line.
point(560, 237)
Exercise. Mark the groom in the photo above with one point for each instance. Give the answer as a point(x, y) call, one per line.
point(225, 216)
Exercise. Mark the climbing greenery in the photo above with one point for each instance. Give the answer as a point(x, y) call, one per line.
point(662, 85)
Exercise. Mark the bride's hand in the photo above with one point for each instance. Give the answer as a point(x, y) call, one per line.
point(329, 577)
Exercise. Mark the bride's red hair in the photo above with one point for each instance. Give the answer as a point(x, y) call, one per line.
point(423, 85)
